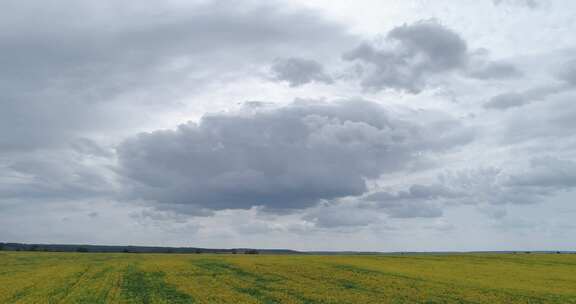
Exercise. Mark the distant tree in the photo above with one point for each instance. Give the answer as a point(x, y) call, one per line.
point(1, 247)
point(251, 251)
point(81, 249)
point(34, 248)
point(234, 251)
point(197, 251)
point(125, 250)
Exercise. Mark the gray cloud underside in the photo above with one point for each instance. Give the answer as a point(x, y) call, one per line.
point(564, 81)
point(299, 71)
point(60, 69)
point(412, 54)
point(409, 55)
point(81, 72)
point(281, 158)
point(495, 70)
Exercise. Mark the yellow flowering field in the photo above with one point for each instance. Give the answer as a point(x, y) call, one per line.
point(44, 277)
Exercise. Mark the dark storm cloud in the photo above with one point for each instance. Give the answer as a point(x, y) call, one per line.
point(299, 71)
point(282, 158)
point(409, 54)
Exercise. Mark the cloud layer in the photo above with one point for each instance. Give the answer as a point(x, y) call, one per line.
point(123, 121)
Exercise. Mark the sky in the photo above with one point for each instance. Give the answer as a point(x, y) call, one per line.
point(368, 125)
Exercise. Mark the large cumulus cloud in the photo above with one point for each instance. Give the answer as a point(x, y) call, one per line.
point(281, 158)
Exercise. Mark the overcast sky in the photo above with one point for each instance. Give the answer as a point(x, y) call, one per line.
point(307, 124)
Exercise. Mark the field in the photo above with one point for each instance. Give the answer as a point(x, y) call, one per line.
point(41, 277)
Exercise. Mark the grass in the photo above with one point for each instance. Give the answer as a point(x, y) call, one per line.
point(92, 278)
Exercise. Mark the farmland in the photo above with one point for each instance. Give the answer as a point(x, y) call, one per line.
point(45, 277)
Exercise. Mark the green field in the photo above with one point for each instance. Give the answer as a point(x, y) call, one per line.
point(28, 277)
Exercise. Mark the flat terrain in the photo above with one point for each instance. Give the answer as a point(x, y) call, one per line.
point(28, 277)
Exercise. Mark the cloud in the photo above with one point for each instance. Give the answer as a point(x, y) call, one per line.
point(55, 175)
point(547, 172)
point(545, 124)
point(408, 56)
point(62, 79)
point(82, 75)
point(526, 3)
point(90, 147)
point(410, 209)
point(83, 78)
point(487, 188)
point(495, 70)
point(509, 100)
point(299, 71)
point(413, 56)
point(288, 157)
point(417, 201)
point(342, 215)
point(568, 73)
